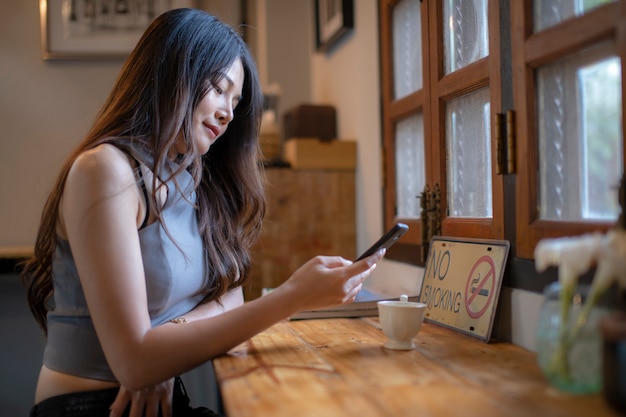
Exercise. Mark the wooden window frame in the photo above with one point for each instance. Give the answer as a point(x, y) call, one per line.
point(515, 194)
point(431, 102)
point(482, 73)
point(395, 110)
point(607, 22)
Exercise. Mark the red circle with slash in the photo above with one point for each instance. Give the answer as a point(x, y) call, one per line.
point(470, 296)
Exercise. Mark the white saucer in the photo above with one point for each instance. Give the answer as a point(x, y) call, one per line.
point(395, 345)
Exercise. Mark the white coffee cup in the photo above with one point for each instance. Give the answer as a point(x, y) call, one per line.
point(401, 321)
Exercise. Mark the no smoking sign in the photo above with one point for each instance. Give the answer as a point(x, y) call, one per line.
point(462, 283)
point(480, 287)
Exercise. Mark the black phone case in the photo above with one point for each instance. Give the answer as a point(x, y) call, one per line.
point(386, 240)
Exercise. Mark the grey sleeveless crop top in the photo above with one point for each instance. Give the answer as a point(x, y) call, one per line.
point(176, 282)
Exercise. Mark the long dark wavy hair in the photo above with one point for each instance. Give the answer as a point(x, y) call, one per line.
point(180, 57)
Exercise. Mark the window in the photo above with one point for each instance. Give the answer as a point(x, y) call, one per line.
point(440, 80)
point(404, 32)
point(459, 76)
point(568, 98)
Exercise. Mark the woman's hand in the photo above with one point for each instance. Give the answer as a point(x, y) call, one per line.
point(330, 280)
point(145, 402)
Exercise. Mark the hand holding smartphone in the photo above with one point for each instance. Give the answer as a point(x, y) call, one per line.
point(386, 240)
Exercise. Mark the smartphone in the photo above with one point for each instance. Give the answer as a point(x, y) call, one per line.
point(386, 240)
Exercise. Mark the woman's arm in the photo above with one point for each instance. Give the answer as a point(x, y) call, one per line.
point(330, 280)
point(148, 401)
point(232, 299)
point(101, 209)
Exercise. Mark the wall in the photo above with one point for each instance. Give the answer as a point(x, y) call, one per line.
point(288, 57)
point(45, 108)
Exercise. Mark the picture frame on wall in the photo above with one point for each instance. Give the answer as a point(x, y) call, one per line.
point(333, 20)
point(97, 29)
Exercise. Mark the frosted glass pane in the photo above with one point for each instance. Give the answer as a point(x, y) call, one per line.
point(407, 48)
point(580, 137)
point(465, 31)
point(410, 169)
point(548, 13)
point(468, 142)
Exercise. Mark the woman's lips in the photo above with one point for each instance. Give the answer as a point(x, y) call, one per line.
point(214, 130)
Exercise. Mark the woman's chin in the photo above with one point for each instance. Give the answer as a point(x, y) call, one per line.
point(204, 147)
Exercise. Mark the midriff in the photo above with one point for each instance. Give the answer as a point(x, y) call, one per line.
point(52, 383)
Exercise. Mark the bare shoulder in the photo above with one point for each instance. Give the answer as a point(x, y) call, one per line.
point(104, 167)
point(101, 178)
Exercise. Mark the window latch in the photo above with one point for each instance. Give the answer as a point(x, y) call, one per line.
point(430, 216)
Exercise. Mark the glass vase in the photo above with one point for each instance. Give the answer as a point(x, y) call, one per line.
point(614, 359)
point(569, 340)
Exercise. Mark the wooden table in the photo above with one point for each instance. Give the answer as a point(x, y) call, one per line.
point(338, 367)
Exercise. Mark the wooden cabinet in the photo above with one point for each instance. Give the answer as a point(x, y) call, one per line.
point(310, 212)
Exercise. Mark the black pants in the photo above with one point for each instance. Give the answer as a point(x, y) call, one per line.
point(97, 403)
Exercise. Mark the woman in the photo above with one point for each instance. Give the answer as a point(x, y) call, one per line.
point(144, 244)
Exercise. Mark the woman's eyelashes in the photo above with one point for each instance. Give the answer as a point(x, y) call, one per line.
point(221, 90)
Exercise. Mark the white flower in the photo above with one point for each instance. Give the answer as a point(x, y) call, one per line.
point(611, 260)
point(573, 255)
